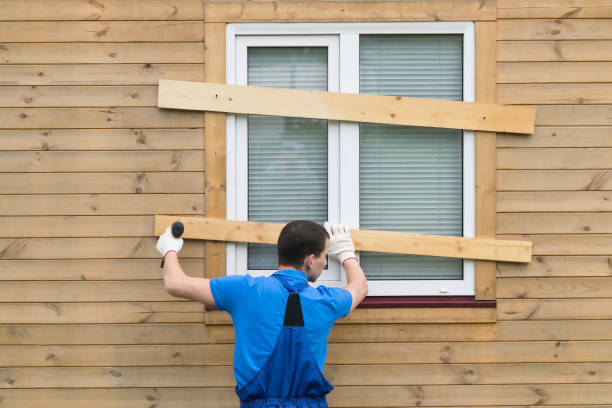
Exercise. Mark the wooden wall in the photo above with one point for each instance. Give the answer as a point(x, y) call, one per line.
point(86, 159)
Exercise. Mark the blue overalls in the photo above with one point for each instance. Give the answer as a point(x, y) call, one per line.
point(291, 377)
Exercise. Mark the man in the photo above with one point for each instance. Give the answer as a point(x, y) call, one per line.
point(281, 323)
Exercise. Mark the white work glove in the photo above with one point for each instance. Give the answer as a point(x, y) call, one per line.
point(167, 242)
point(340, 243)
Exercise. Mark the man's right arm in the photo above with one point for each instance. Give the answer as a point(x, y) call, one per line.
point(357, 282)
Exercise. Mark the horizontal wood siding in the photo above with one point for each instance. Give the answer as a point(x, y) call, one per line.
point(87, 159)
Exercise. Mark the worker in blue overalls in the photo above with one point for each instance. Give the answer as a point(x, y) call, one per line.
point(281, 322)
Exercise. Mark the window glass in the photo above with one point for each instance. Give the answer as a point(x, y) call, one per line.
point(410, 178)
point(287, 157)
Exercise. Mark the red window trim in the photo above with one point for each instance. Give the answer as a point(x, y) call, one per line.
point(425, 301)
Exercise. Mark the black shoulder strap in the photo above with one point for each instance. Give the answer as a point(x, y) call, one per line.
point(293, 311)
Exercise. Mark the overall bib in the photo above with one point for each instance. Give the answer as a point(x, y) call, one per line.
point(291, 377)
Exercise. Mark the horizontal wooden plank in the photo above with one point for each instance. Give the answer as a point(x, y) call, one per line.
point(368, 240)
point(541, 180)
point(557, 223)
point(570, 50)
point(387, 333)
point(102, 53)
point(83, 248)
point(591, 136)
point(103, 139)
point(557, 72)
point(554, 288)
point(469, 395)
point(558, 266)
point(101, 204)
point(77, 96)
point(76, 226)
point(554, 158)
point(89, 269)
point(510, 396)
point(554, 201)
point(98, 74)
point(340, 375)
point(101, 31)
point(554, 9)
point(118, 377)
point(107, 312)
point(94, 118)
point(553, 309)
point(577, 115)
point(595, 244)
point(89, 183)
point(345, 11)
point(547, 94)
point(399, 315)
point(117, 355)
point(101, 10)
point(54, 293)
point(559, 330)
point(348, 353)
point(555, 29)
point(107, 334)
point(69, 161)
point(395, 110)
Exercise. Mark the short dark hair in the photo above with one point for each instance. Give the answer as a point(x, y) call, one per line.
point(298, 239)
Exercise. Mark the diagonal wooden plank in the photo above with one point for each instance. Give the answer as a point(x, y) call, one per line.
point(364, 240)
point(394, 110)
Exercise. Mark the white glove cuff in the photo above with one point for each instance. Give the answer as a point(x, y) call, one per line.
point(343, 256)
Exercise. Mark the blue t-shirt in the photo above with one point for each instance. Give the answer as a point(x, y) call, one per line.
point(257, 306)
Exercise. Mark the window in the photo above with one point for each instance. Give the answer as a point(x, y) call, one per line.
point(368, 176)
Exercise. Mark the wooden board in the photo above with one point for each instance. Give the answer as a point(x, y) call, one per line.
point(554, 201)
point(486, 91)
point(555, 94)
point(102, 53)
point(89, 269)
point(560, 330)
point(573, 136)
point(557, 72)
point(97, 183)
point(93, 161)
point(101, 10)
point(576, 115)
point(570, 50)
point(320, 11)
point(364, 240)
point(101, 312)
point(553, 309)
point(554, 223)
point(76, 226)
point(554, 158)
point(101, 31)
point(102, 74)
point(95, 118)
point(541, 180)
point(101, 204)
point(555, 29)
point(395, 110)
point(559, 266)
point(554, 288)
point(84, 248)
point(69, 96)
point(594, 244)
point(103, 139)
point(350, 353)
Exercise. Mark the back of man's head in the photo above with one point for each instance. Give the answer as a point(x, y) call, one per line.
point(297, 240)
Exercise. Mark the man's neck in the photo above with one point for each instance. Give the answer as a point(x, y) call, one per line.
point(290, 268)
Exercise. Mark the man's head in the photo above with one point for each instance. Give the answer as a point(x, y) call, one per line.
point(303, 245)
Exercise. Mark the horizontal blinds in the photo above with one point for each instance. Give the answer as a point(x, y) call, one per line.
point(287, 168)
point(410, 178)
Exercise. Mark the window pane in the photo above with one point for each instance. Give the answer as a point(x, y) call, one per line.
point(287, 156)
point(410, 177)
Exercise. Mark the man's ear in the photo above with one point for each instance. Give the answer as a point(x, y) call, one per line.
point(308, 261)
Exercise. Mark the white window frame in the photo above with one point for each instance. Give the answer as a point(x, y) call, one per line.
point(342, 40)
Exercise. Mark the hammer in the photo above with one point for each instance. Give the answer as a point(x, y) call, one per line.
point(177, 230)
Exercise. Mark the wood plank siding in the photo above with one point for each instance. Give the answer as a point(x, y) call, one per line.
point(87, 159)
